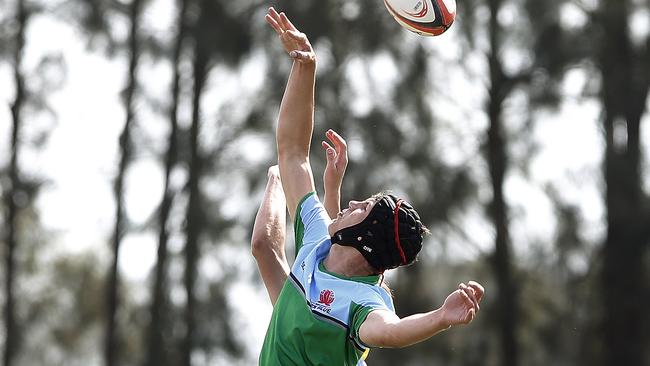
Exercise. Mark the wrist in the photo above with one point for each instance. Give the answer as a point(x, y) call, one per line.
point(307, 65)
point(332, 183)
point(333, 194)
point(445, 322)
point(333, 188)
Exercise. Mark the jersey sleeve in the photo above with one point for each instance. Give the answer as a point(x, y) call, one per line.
point(379, 301)
point(311, 223)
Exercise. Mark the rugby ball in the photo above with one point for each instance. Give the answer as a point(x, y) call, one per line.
point(424, 17)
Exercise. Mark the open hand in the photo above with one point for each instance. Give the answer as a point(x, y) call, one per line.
point(337, 159)
point(295, 42)
point(461, 306)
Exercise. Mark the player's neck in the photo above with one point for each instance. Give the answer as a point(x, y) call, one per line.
point(346, 261)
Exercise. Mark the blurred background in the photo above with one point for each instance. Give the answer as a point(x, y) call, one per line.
point(135, 137)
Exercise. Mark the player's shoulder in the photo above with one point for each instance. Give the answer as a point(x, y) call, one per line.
point(308, 201)
point(375, 296)
point(312, 216)
point(366, 292)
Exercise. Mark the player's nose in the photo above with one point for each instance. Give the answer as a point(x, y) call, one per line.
point(354, 204)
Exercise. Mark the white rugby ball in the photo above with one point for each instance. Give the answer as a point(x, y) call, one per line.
point(424, 17)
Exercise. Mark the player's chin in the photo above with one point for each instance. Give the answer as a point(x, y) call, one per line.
point(333, 224)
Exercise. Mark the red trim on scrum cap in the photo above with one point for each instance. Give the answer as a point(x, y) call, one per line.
point(397, 242)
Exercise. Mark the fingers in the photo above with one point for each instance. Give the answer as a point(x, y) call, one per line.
point(341, 148)
point(279, 21)
point(337, 140)
point(469, 315)
point(470, 294)
point(300, 41)
point(286, 23)
point(478, 289)
point(331, 152)
point(326, 145)
point(301, 56)
point(273, 18)
point(273, 24)
point(468, 301)
point(297, 36)
point(294, 41)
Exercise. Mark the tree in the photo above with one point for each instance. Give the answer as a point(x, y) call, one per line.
point(605, 42)
point(624, 94)
point(14, 193)
point(31, 121)
point(500, 88)
point(156, 350)
point(194, 214)
point(225, 44)
point(111, 353)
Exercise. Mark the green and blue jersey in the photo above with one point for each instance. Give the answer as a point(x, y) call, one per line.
point(317, 316)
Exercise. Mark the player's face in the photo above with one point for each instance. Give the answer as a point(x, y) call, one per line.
point(355, 213)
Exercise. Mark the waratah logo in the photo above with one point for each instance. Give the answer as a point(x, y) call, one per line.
point(326, 297)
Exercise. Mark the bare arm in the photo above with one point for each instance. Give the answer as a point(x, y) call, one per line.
point(267, 242)
point(337, 161)
point(383, 328)
point(296, 117)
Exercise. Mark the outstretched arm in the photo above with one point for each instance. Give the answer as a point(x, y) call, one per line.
point(296, 117)
point(383, 328)
point(269, 230)
point(267, 242)
point(337, 161)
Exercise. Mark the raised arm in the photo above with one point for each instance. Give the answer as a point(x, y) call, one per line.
point(337, 161)
point(296, 117)
point(268, 239)
point(383, 328)
point(269, 230)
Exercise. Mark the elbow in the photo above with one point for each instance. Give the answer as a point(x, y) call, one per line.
point(267, 241)
point(259, 245)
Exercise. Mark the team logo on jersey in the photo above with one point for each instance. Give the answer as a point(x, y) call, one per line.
point(326, 297)
point(324, 303)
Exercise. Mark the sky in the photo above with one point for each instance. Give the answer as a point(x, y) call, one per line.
point(80, 157)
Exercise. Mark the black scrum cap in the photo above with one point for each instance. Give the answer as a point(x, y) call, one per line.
point(391, 235)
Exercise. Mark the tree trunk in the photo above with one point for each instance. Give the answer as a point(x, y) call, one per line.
point(10, 348)
point(497, 162)
point(193, 218)
point(156, 354)
point(111, 351)
point(625, 90)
